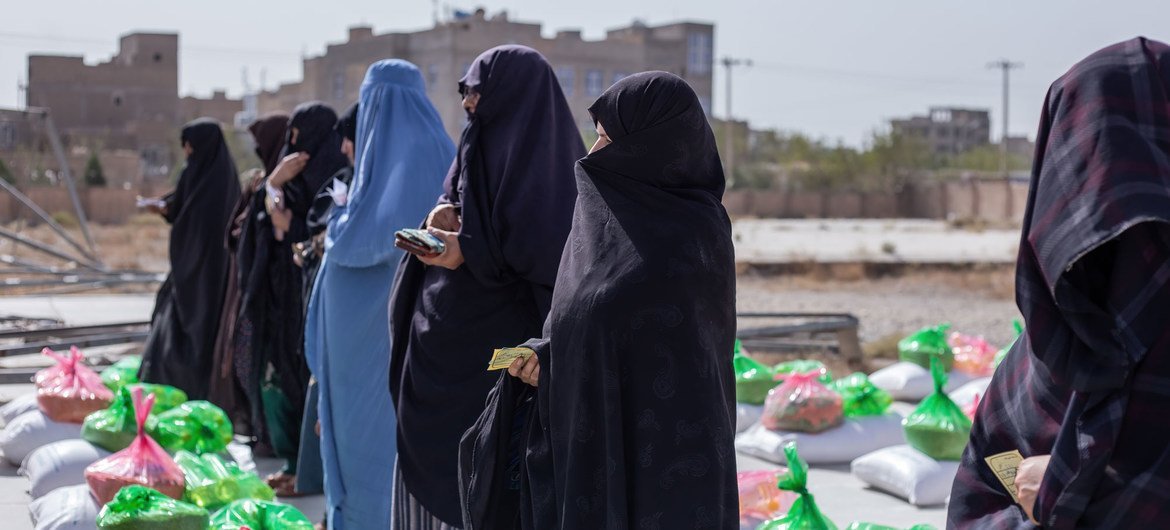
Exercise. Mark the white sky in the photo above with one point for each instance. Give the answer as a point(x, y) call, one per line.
point(835, 69)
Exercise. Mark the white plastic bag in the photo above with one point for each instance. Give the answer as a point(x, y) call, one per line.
point(59, 464)
point(907, 381)
point(856, 437)
point(69, 508)
point(907, 473)
point(33, 430)
point(965, 395)
point(18, 406)
point(747, 415)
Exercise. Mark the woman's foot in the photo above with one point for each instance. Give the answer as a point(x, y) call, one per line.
point(283, 484)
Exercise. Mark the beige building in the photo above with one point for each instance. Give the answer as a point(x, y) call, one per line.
point(947, 131)
point(443, 53)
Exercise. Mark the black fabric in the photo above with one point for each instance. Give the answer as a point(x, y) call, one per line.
point(635, 401)
point(347, 123)
point(272, 285)
point(269, 134)
point(180, 348)
point(513, 181)
point(491, 457)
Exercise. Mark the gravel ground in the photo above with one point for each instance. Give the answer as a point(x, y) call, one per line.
point(890, 306)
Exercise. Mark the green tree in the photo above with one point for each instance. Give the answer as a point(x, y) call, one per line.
point(93, 172)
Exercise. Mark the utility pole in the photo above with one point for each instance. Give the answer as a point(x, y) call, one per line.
point(1006, 67)
point(728, 135)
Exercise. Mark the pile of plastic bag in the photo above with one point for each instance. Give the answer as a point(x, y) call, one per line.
point(938, 427)
point(144, 462)
point(122, 373)
point(759, 498)
point(973, 355)
point(213, 482)
point(922, 345)
point(70, 391)
point(259, 515)
point(137, 507)
point(860, 397)
point(753, 379)
point(802, 404)
point(804, 513)
point(114, 428)
point(195, 426)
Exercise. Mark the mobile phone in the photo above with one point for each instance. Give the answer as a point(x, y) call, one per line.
point(419, 242)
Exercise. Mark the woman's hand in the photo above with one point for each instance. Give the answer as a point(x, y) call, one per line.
point(451, 258)
point(445, 217)
point(1028, 479)
point(528, 370)
point(281, 220)
point(288, 168)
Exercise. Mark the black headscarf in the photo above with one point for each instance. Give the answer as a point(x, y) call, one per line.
point(180, 348)
point(314, 122)
point(269, 134)
point(635, 406)
point(347, 123)
point(512, 180)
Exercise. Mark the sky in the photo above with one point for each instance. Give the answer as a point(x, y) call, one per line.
point(834, 69)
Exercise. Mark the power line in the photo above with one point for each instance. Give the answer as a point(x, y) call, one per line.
point(1006, 67)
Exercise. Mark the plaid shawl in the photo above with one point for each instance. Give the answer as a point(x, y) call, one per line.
point(1089, 383)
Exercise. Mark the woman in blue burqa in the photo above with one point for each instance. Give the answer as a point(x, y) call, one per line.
point(401, 157)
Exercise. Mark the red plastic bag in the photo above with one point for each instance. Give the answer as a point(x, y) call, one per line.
point(973, 355)
point(70, 391)
point(144, 462)
point(802, 404)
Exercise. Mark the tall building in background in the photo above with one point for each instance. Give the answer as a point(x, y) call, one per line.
point(585, 68)
point(947, 131)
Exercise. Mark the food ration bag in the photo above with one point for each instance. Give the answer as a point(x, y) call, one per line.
point(753, 379)
point(860, 397)
point(122, 373)
point(801, 366)
point(213, 482)
point(925, 343)
point(803, 514)
point(195, 426)
point(138, 507)
point(115, 427)
point(802, 404)
point(938, 427)
point(973, 355)
point(58, 465)
point(19, 405)
point(31, 431)
point(259, 515)
point(143, 462)
point(73, 390)
point(759, 498)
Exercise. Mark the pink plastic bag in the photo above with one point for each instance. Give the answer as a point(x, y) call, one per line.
point(144, 462)
point(802, 404)
point(70, 391)
point(972, 408)
point(759, 498)
point(973, 355)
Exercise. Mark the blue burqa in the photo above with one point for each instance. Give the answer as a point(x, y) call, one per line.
point(401, 157)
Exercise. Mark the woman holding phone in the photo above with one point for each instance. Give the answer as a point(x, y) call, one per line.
point(503, 218)
point(633, 374)
point(402, 154)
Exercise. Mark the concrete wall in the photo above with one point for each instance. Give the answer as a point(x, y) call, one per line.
point(101, 205)
point(994, 201)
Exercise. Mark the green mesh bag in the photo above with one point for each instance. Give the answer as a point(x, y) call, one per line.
point(753, 379)
point(213, 482)
point(803, 514)
point(114, 428)
point(922, 345)
point(141, 508)
point(802, 366)
point(860, 397)
point(938, 427)
point(122, 373)
point(259, 515)
point(195, 426)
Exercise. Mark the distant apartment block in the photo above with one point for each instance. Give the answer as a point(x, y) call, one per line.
point(947, 131)
point(443, 53)
point(129, 103)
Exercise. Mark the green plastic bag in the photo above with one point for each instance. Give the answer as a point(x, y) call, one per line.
point(141, 508)
point(999, 356)
point(871, 526)
point(860, 397)
point(938, 427)
point(803, 366)
point(114, 428)
point(213, 482)
point(925, 343)
point(753, 379)
point(803, 514)
point(195, 426)
point(165, 397)
point(122, 373)
point(260, 515)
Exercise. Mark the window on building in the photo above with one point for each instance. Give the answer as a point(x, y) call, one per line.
point(618, 76)
point(594, 81)
point(117, 100)
point(567, 76)
point(157, 57)
point(699, 53)
point(339, 85)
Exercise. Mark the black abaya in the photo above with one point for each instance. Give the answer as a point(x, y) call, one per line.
point(181, 344)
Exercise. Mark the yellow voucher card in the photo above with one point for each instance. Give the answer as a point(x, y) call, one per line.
point(1004, 466)
point(503, 357)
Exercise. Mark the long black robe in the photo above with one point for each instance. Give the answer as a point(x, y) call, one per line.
point(512, 180)
point(635, 400)
point(271, 283)
point(180, 348)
